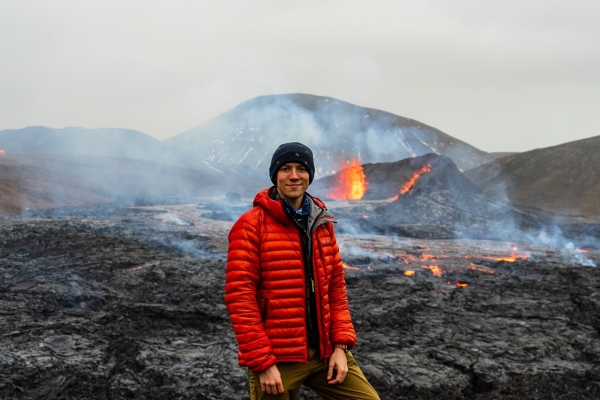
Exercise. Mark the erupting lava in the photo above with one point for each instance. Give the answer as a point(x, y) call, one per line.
point(352, 183)
point(411, 182)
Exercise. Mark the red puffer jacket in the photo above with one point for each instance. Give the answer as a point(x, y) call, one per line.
point(265, 289)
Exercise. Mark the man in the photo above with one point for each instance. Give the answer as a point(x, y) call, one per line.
point(286, 293)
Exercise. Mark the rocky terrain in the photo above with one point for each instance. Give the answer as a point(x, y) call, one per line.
point(127, 302)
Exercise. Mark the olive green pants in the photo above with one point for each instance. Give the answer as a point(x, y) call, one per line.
point(314, 375)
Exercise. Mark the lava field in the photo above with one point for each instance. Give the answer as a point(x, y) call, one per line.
point(127, 302)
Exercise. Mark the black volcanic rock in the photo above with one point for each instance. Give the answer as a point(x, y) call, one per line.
point(116, 303)
point(434, 211)
point(246, 136)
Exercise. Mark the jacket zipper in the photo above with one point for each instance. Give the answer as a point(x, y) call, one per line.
point(311, 271)
point(318, 304)
point(307, 310)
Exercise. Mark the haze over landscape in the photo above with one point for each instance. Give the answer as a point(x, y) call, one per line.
point(470, 275)
point(44, 167)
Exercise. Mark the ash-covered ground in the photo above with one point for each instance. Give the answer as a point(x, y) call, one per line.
point(114, 303)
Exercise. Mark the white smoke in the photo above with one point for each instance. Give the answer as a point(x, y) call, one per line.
point(172, 218)
point(571, 251)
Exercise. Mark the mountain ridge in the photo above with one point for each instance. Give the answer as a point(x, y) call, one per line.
point(335, 130)
point(100, 142)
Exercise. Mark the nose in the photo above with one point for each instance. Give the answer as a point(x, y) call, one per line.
point(294, 174)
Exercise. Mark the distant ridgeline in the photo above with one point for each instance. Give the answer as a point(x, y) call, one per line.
point(232, 152)
point(243, 139)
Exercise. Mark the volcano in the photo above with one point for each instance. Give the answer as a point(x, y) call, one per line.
point(426, 197)
point(245, 137)
point(386, 180)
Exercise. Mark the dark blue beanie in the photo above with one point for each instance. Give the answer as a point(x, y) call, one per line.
point(292, 152)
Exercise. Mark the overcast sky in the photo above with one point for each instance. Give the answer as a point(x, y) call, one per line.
point(510, 75)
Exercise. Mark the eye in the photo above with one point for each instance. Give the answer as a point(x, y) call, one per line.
point(302, 169)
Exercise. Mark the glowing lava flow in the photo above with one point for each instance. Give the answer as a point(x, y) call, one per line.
point(512, 258)
point(346, 266)
point(352, 183)
point(411, 182)
point(435, 270)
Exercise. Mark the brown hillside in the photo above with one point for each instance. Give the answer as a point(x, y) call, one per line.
point(500, 154)
point(31, 181)
point(563, 179)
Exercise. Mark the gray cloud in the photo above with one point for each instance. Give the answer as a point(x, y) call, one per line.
point(502, 76)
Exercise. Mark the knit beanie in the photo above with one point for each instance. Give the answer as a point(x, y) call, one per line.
point(292, 152)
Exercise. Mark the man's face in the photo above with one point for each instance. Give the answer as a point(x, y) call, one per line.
point(292, 182)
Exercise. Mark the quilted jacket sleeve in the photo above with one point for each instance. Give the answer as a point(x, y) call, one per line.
point(241, 287)
point(342, 329)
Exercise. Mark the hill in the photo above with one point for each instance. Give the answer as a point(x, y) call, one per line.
point(31, 181)
point(386, 180)
point(245, 137)
point(427, 197)
point(497, 155)
point(562, 179)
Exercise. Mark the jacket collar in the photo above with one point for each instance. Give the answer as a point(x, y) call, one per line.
point(269, 200)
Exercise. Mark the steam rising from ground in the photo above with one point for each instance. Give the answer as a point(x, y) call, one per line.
point(549, 232)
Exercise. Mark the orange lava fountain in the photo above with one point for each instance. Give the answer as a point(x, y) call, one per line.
point(352, 183)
